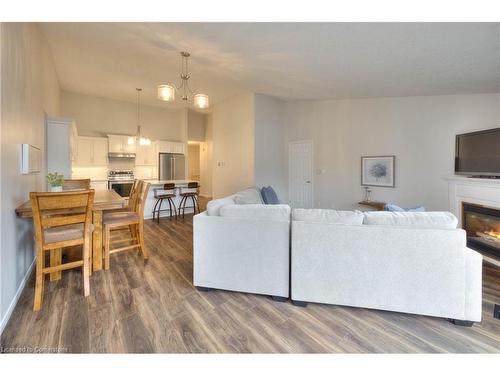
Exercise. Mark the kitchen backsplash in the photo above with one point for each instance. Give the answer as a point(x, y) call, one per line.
point(101, 173)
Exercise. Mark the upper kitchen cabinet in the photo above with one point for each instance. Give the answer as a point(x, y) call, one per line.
point(100, 151)
point(171, 147)
point(121, 144)
point(91, 151)
point(146, 155)
point(61, 145)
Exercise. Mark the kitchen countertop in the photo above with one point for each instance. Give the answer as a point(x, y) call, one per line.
point(162, 182)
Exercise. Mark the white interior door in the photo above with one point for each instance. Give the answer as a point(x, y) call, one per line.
point(301, 174)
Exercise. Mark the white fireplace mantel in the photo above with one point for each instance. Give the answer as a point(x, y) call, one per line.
point(482, 191)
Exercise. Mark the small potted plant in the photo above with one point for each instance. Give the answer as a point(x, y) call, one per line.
point(55, 181)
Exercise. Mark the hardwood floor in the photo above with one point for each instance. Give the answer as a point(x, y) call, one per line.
point(143, 307)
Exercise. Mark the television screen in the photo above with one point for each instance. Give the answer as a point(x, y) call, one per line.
point(478, 153)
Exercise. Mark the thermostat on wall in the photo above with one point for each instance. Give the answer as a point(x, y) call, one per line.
point(31, 161)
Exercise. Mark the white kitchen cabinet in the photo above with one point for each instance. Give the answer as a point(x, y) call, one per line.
point(129, 147)
point(60, 145)
point(91, 151)
point(115, 143)
point(83, 151)
point(120, 144)
point(172, 147)
point(146, 155)
point(178, 148)
point(99, 185)
point(100, 151)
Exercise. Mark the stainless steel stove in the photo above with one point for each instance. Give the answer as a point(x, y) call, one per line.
point(121, 181)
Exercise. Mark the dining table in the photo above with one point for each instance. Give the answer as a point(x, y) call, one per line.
point(103, 200)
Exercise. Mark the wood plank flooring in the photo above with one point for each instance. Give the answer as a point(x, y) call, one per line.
point(146, 307)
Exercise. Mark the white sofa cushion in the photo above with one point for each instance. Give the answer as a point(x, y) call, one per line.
point(424, 220)
point(214, 206)
point(248, 196)
point(279, 212)
point(317, 215)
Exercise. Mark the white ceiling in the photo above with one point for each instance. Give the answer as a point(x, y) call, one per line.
point(286, 60)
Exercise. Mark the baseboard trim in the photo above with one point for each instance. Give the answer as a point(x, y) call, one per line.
point(13, 304)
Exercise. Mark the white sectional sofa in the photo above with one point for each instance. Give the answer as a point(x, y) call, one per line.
point(242, 247)
point(407, 262)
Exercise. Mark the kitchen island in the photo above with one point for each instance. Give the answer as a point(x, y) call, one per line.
point(180, 185)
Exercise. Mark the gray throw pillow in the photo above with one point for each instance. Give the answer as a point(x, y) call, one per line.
point(269, 195)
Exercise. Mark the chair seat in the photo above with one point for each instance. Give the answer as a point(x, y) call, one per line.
point(64, 233)
point(119, 217)
point(122, 209)
point(158, 196)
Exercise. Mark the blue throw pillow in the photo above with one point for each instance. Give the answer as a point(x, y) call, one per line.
point(269, 195)
point(391, 207)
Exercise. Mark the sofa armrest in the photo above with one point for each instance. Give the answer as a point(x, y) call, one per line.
point(473, 285)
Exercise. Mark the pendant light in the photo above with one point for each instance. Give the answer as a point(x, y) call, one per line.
point(166, 92)
point(139, 138)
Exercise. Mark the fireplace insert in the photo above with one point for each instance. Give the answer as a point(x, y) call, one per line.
point(482, 225)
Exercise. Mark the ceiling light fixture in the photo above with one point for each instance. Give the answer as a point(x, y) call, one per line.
point(139, 139)
point(166, 92)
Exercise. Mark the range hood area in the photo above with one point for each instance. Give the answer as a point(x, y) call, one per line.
point(121, 155)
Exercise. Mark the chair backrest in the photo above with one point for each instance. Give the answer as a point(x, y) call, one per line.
point(142, 197)
point(81, 184)
point(192, 185)
point(132, 199)
point(57, 209)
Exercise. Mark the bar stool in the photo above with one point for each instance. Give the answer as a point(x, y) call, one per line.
point(190, 194)
point(167, 192)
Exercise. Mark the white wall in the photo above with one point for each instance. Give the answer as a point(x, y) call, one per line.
point(233, 137)
point(100, 116)
point(196, 126)
point(420, 131)
point(194, 162)
point(270, 147)
point(30, 90)
point(206, 159)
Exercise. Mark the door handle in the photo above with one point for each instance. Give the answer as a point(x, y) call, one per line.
point(308, 182)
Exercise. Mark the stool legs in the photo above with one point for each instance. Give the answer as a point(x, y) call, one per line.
point(182, 205)
point(154, 208)
point(171, 205)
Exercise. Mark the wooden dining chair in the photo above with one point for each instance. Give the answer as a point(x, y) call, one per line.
point(61, 220)
point(80, 184)
point(132, 199)
point(115, 221)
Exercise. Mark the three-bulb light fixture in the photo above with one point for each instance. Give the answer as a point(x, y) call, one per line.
point(166, 92)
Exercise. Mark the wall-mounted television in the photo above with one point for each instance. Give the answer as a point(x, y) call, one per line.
point(478, 153)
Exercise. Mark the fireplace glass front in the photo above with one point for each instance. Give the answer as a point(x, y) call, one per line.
point(482, 225)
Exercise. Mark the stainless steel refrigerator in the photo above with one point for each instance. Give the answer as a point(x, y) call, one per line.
point(172, 167)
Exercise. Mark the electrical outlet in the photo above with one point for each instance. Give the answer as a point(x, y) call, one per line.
point(496, 312)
